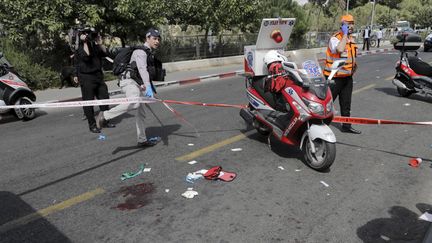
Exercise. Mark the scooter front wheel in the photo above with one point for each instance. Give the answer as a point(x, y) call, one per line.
point(261, 128)
point(25, 113)
point(324, 156)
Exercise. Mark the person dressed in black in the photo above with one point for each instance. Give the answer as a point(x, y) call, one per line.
point(88, 73)
point(366, 38)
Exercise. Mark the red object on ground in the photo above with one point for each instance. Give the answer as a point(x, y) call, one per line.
point(216, 172)
point(213, 173)
point(415, 162)
point(227, 176)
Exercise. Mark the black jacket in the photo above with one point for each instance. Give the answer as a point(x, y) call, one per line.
point(89, 64)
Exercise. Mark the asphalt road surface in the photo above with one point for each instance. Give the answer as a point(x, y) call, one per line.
point(60, 183)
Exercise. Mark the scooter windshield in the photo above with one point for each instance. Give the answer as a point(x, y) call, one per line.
point(310, 71)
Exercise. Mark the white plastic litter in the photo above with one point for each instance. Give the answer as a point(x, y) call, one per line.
point(191, 144)
point(385, 238)
point(190, 193)
point(426, 216)
point(147, 170)
point(236, 149)
point(192, 162)
point(167, 190)
point(280, 167)
point(192, 177)
point(325, 184)
point(297, 170)
point(407, 104)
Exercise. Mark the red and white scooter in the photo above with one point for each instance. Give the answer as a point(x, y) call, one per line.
point(412, 74)
point(305, 109)
point(14, 91)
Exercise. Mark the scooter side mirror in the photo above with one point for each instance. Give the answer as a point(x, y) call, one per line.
point(289, 65)
point(335, 67)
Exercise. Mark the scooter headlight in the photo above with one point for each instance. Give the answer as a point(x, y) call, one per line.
point(329, 106)
point(314, 107)
point(303, 113)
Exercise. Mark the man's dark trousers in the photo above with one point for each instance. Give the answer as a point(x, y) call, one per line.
point(93, 85)
point(343, 88)
point(367, 43)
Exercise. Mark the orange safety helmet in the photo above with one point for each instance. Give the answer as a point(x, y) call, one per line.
point(347, 18)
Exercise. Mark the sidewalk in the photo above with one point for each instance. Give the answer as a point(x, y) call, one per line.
point(177, 77)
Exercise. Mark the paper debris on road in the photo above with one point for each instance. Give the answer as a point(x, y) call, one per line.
point(407, 104)
point(147, 170)
point(426, 216)
point(192, 177)
point(191, 144)
point(280, 167)
point(192, 162)
point(102, 137)
point(190, 193)
point(236, 149)
point(297, 170)
point(325, 184)
point(167, 190)
point(385, 238)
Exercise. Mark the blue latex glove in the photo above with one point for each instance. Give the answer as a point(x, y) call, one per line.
point(344, 28)
point(149, 91)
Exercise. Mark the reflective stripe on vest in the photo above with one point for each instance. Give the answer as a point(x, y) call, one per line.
point(351, 53)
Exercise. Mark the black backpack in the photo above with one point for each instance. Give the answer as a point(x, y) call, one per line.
point(122, 59)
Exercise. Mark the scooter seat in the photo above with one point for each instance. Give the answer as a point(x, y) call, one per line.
point(419, 66)
point(258, 83)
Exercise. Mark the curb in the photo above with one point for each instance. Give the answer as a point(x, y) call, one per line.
point(215, 76)
point(365, 53)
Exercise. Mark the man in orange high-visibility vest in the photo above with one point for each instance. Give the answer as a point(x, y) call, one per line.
point(342, 47)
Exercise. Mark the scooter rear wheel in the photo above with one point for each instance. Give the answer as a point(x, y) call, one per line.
point(323, 157)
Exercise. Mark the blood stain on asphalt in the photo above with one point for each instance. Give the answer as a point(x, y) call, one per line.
point(137, 196)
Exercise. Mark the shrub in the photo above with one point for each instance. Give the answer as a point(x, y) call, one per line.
point(39, 77)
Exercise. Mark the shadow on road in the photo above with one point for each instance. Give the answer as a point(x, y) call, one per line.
point(383, 151)
point(137, 150)
point(9, 117)
point(402, 226)
point(164, 132)
point(393, 92)
point(15, 228)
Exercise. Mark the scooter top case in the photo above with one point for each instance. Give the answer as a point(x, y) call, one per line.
point(408, 41)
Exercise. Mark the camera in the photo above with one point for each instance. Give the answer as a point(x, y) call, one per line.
point(75, 34)
point(91, 33)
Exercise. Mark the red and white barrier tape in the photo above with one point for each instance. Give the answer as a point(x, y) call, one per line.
point(338, 119)
point(83, 103)
point(114, 102)
point(370, 121)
